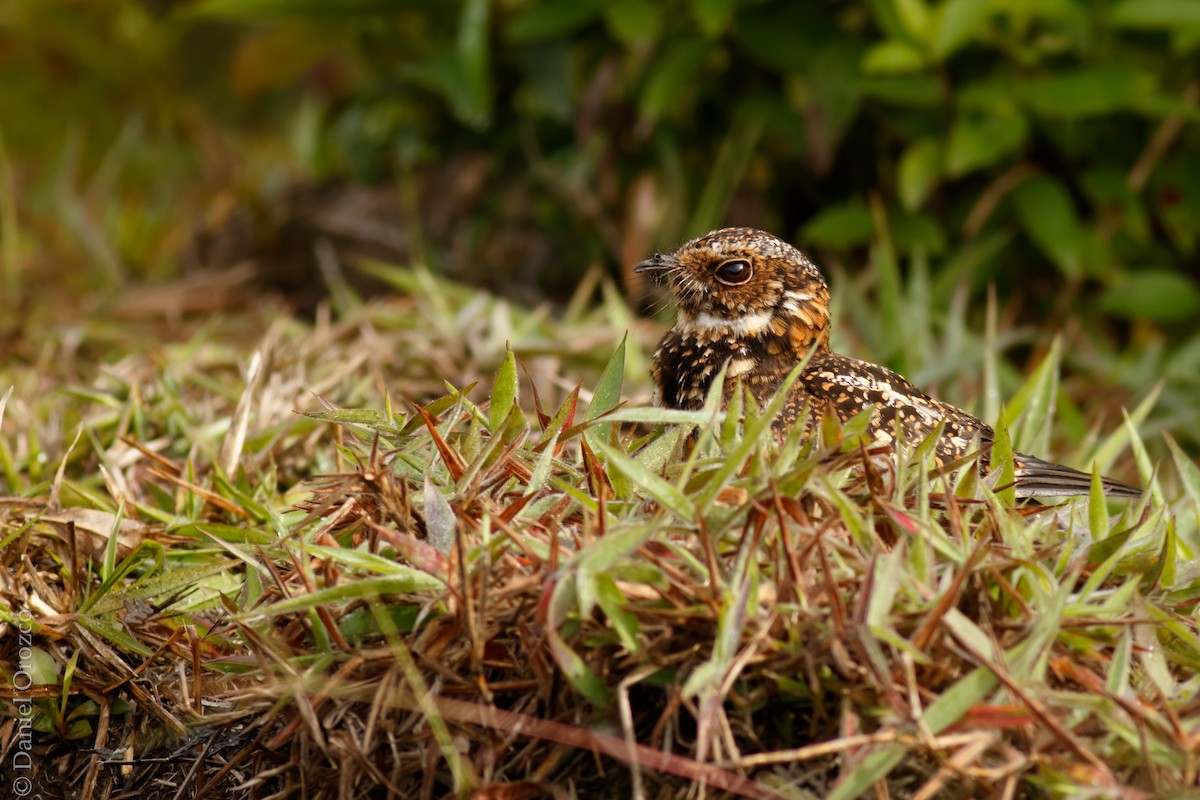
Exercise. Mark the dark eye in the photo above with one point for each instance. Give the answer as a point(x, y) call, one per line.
point(733, 272)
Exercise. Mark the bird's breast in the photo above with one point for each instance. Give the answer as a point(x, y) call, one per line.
point(685, 366)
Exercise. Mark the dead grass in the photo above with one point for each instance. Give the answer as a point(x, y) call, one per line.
point(529, 589)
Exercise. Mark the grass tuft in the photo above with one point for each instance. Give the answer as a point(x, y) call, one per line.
point(415, 589)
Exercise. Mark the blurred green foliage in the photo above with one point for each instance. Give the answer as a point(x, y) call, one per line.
point(1048, 148)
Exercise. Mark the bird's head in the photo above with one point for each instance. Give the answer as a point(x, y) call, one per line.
point(744, 283)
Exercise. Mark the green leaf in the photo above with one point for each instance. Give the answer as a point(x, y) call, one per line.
point(633, 22)
point(505, 392)
point(114, 633)
point(916, 18)
point(1001, 460)
point(1189, 473)
point(607, 394)
point(1169, 14)
point(462, 75)
point(666, 494)
point(977, 142)
point(612, 603)
point(1152, 294)
point(1048, 215)
point(1087, 92)
point(846, 225)
point(551, 19)
point(405, 582)
point(168, 582)
point(893, 56)
point(951, 706)
point(672, 74)
point(713, 16)
point(577, 672)
point(1097, 508)
point(919, 170)
point(1034, 403)
point(957, 23)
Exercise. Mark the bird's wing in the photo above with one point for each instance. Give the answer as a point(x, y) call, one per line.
point(845, 386)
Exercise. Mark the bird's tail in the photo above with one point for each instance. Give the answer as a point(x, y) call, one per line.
point(1037, 478)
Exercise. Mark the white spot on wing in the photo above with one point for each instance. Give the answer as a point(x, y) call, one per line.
point(739, 366)
point(891, 396)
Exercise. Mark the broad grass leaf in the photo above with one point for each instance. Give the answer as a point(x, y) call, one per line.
point(664, 493)
point(505, 392)
point(1002, 462)
point(1117, 675)
point(1145, 466)
point(1097, 508)
point(1189, 476)
point(407, 582)
point(612, 602)
point(655, 455)
point(362, 560)
point(1033, 403)
point(563, 600)
point(1106, 453)
point(666, 416)
point(755, 430)
point(361, 622)
point(168, 582)
point(114, 633)
point(578, 673)
point(607, 394)
point(951, 706)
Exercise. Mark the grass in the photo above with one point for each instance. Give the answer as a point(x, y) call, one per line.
point(271, 557)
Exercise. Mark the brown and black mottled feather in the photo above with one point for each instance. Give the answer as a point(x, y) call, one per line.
point(755, 305)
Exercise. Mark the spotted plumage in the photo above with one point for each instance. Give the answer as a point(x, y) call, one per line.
point(753, 304)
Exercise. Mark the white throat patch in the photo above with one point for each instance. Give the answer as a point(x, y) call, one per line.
point(745, 325)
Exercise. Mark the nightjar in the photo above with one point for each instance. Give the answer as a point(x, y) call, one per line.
point(752, 303)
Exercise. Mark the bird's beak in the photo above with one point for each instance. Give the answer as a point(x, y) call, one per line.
point(658, 262)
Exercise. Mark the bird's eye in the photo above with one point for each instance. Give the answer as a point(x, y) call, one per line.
point(733, 272)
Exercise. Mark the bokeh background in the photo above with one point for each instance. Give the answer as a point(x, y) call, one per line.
point(970, 173)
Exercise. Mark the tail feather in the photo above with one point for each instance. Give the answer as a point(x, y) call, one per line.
point(1037, 478)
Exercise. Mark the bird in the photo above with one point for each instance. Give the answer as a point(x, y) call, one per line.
point(754, 305)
